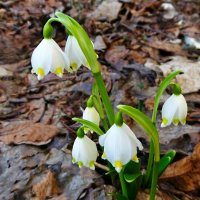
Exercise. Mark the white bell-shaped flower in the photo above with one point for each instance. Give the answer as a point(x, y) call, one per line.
point(120, 146)
point(75, 54)
point(84, 152)
point(91, 114)
point(174, 110)
point(48, 56)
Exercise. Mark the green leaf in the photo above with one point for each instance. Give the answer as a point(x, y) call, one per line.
point(89, 125)
point(170, 153)
point(165, 161)
point(163, 165)
point(132, 167)
point(146, 124)
point(98, 104)
point(83, 39)
point(97, 100)
point(129, 178)
point(164, 84)
point(98, 107)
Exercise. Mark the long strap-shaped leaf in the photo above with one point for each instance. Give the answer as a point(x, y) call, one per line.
point(83, 39)
point(89, 125)
point(87, 47)
point(146, 124)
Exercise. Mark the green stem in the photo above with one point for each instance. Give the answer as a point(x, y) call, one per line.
point(105, 125)
point(104, 95)
point(150, 162)
point(151, 151)
point(154, 180)
point(123, 184)
point(48, 29)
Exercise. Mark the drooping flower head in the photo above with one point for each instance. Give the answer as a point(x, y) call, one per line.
point(75, 54)
point(84, 151)
point(120, 146)
point(48, 56)
point(90, 113)
point(174, 110)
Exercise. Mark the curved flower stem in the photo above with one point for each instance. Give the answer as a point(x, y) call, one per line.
point(154, 180)
point(79, 33)
point(123, 184)
point(164, 84)
point(104, 95)
point(150, 163)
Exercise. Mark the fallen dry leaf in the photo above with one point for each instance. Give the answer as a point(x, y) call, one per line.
point(191, 30)
point(116, 56)
point(185, 173)
point(137, 57)
point(166, 46)
point(47, 187)
point(189, 80)
point(144, 7)
point(149, 103)
point(28, 133)
point(15, 66)
point(107, 11)
point(36, 109)
point(99, 43)
point(194, 116)
point(160, 195)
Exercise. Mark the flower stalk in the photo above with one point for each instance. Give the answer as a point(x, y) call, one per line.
point(123, 184)
point(86, 46)
point(105, 98)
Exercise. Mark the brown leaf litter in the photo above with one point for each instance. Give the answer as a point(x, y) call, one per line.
point(185, 173)
point(28, 133)
point(47, 187)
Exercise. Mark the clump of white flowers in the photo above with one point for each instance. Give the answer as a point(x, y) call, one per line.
point(84, 151)
point(120, 144)
point(49, 57)
point(174, 110)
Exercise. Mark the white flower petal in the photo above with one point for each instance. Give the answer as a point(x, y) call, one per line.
point(102, 139)
point(168, 110)
point(120, 145)
point(48, 56)
point(174, 110)
point(91, 114)
point(132, 135)
point(85, 151)
point(182, 109)
point(74, 53)
point(59, 59)
point(41, 58)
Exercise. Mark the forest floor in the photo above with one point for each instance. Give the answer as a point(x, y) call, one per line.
point(138, 44)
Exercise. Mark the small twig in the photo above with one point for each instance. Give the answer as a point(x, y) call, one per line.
point(101, 166)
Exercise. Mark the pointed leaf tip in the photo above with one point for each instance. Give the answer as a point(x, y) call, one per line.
point(90, 125)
